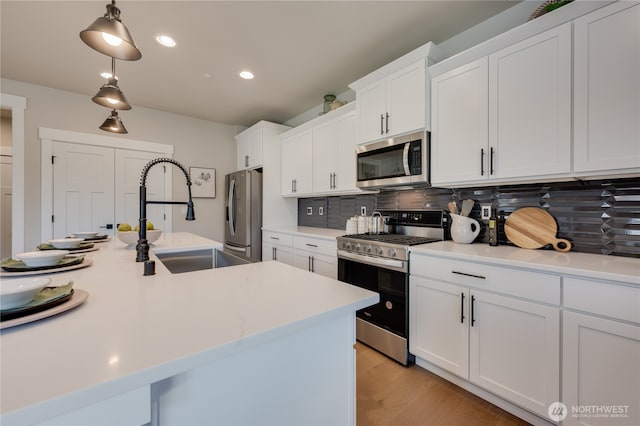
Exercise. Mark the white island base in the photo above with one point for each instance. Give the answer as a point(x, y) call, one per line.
point(306, 378)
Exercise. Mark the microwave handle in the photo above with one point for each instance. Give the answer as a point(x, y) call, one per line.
point(405, 159)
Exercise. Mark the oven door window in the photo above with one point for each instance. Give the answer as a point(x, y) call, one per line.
point(391, 312)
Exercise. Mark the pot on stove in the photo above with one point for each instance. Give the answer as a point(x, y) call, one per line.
point(377, 223)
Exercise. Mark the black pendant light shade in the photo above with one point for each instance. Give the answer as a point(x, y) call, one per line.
point(113, 124)
point(109, 36)
point(111, 96)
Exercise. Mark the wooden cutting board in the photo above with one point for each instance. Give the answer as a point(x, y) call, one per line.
point(532, 228)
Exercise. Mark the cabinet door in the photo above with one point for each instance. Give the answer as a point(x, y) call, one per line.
point(372, 102)
point(325, 146)
point(600, 368)
point(287, 165)
point(406, 98)
point(303, 162)
point(345, 178)
point(515, 350)
point(317, 263)
point(296, 164)
point(530, 107)
point(438, 324)
point(607, 90)
point(459, 124)
point(243, 148)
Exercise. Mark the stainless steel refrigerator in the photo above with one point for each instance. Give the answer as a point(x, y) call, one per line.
point(243, 224)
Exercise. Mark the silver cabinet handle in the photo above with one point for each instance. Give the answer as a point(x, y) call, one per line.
point(275, 238)
point(246, 161)
point(387, 124)
point(312, 245)
point(382, 124)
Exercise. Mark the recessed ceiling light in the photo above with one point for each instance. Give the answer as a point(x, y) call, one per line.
point(247, 75)
point(165, 40)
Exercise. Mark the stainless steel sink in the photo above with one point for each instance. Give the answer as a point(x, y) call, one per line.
point(187, 261)
point(197, 260)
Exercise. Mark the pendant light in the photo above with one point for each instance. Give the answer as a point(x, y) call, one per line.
point(108, 35)
point(113, 124)
point(110, 95)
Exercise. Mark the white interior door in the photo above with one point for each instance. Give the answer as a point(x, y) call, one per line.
point(6, 170)
point(83, 190)
point(128, 171)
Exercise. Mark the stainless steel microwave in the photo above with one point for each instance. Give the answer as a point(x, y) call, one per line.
point(402, 160)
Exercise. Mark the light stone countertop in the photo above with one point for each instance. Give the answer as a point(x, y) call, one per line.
point(308, 231)
point(585, 265)
point(134, 330)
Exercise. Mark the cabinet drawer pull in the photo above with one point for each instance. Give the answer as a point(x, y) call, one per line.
point(313, 264)
point(469, 275)
point(274, 254)
point(481, 161)
point(492, 152)
point(473, 312)
point(387, 123)
point(461, 308)
point(275, 238)
point(312, 245)
point(246, 161)
point(382, 124)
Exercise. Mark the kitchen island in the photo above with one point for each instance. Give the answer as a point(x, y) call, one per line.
point(264, 343)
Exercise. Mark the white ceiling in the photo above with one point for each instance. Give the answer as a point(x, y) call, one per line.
point(298, 50)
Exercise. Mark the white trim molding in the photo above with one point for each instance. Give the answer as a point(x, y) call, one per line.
point(17, 105)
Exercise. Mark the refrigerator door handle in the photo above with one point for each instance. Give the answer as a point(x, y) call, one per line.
point(230, 210)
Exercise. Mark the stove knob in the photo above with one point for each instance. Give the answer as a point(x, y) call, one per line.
point(368, 249)
point(346, 245)
point(357, 247)
point(379, 250)
point(392, 252)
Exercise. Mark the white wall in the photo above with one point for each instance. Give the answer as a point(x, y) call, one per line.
point(197, 143)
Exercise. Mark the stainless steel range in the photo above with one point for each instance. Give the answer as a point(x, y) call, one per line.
point(380, 262)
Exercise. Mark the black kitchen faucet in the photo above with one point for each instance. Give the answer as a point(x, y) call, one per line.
point(142, 248)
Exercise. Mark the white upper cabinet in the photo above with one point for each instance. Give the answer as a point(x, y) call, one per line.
point(393, 99)
point(459, 123)
point(319, 157)
point(334, 155)
point(249, 148)
point(507, 116)
point(607, 91)
point(296, 164)
point(393, 105)
point(530, 107)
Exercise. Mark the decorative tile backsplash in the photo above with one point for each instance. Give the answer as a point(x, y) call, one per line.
point(598, 216)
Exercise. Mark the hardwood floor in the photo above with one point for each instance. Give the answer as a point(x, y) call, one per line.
point(389, 394)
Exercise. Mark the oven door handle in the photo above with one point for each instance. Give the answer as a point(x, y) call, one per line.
point(375, 261)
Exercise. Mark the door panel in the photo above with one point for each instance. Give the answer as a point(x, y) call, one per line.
point(128, 170)
point(83, 189)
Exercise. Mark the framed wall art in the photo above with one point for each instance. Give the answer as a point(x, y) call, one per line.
point(203, 182)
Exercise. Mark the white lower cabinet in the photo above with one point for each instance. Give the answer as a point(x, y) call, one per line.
point(305, 252)
point(601, 353)
point(277, 246)
point(499, 342)
point(316, 255)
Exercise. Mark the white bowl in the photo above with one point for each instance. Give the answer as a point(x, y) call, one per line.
point(88, 234)
point(131, 237)
point(20, 291)
point(66, 243)
point(41, 258)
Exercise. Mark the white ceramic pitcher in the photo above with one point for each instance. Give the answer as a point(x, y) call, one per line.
point(464, 229)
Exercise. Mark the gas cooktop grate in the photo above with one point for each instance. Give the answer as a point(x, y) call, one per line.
point(407, 240)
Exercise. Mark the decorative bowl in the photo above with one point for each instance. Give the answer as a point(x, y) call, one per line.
point(85, 234)
point(20, 291)
point(41, 258)
point(66, 243)
point(131, 237)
